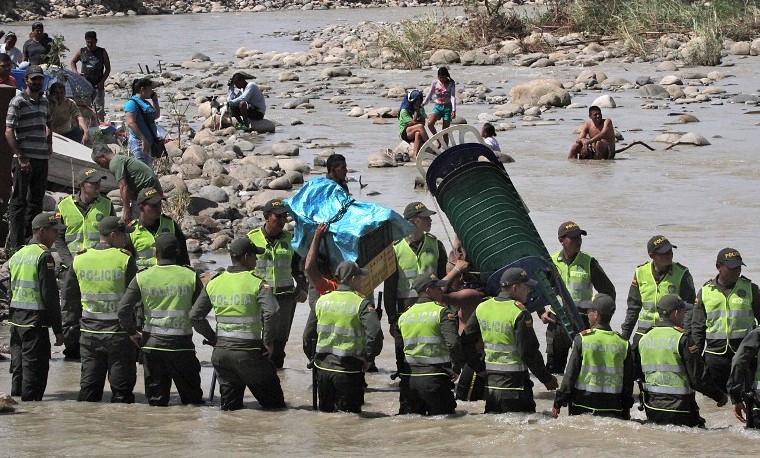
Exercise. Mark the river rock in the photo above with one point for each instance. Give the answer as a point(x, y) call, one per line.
point(280, 183)
point(257, 202)
point(667, 66)
point(687, 118)
point(694, 139)
point(293, 176)
point(198, 204)
point(204, 109)
point(670, 79)
point(214, 194)
point(667, 137)
point(754, 48)
point(263, 126)
point(263, 162)
point(173, 150)
point(193, 246)
point(653, 91)
point(643, 80)
point(335, 72)
point(213, 168)
point(195, 155)
point(295, 103)
point(223, 211)
point(220, 241)
point(675, 91)
point(227, 181)
point(7, 403)
point(396, 92)
point(539, 93)
point(381, 159)
point(285, 149)
point(293, 164)
point(189, 171)
point(444, 56)
point(356, 112)
point(526, 60)
point(605, 101)
point(287, 76)
point(248, 170)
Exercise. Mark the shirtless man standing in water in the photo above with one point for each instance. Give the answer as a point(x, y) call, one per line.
point(596, 139)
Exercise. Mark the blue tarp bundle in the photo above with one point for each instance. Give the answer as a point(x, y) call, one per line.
point(321, 200)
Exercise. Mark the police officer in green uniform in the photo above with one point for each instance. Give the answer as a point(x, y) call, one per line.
point(80, 213)
point(432, 351)
point(672, 369)
point(599, 375)
point(652, 280)
point(34, 308)
point(246, 312)
point(348, 338)
point(419, 253)
point(279, 266)
point(95, 284)
point(167, 292)
point(726, 310)
point(510, 344)
point(582, 275)
point(744, 381)
point(151, 224)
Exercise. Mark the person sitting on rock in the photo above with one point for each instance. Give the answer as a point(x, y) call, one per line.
point(596, 139)
point(245, 101)
point(411, 121)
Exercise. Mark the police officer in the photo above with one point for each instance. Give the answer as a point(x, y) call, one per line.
point(510, 344)
point(348, 337)
point(582, 274)
point(599, 375)
point(151, 224)
point(432, 351)
point(245, 312)
point(278, 264)
point(744, 381)
point(34, 307)
point(672, 369)
point(95, 284)
point(167, 292)
point(80, 213)
point(651, 281)
point(727, 309)
point(419, 253)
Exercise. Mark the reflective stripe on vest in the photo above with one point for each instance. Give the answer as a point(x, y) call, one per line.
point(82, 230)
point(166, 292)
point(339, 329)
point(410, 265)
point(234, 297)
point(421, 332)
point(661, 363)
point(602, 362)
point(651, 291)
point(728, 317)
point(274, 265)
point(576, 275)
point(143, 239)
point(25, 281)
point(100, 274)
point(497, 327)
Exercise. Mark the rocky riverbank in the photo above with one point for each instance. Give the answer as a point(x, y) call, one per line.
point(27, 10)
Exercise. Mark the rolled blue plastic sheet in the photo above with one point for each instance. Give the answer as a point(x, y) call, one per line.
point(321, 200)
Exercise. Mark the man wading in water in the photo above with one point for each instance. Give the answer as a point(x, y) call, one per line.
point(596, 139)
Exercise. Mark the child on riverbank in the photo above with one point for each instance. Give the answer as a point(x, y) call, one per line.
point(488, 132)
point(411, 121)
point(443, 92)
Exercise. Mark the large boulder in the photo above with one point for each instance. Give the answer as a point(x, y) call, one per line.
point(605, 101)
point(213, 168)
point(294, 164)
point(263, 162)
point(653, 91)
point(280, 183)
point(540, 92)
point(257, 202)
point(335, 72)
point(444, 56)
point(263, 126)
point(285, 149)
point(381, 159)
point(214, 194)
point(195, 155)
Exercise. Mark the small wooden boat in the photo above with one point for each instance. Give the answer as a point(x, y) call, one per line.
point(69, 157)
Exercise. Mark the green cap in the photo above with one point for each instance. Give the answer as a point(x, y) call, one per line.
point(730, 258)
point(47, 219)
point(113, 224)
point(515, 275)
point(659, 244)
point(91, 175)
point(348, 269)
point(671, 302)
point(423, 281)
point(417, 209)
point(603, 304)
point(242, 245)
point(150, 196)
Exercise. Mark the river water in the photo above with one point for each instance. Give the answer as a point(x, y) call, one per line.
point(702, 199)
